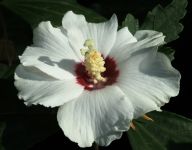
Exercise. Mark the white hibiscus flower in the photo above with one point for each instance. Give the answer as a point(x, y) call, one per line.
point(100, 77)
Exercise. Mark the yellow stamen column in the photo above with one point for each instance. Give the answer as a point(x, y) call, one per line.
point(94, 62)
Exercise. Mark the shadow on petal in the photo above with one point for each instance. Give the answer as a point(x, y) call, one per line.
point(65, 64)
point(46, 60)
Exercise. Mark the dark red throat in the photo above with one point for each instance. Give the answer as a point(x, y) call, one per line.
point(111, 74)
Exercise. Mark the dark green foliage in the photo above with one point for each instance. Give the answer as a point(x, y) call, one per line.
point(166, 19)
point(35, 11)
point(132, 23)
point(168, 131)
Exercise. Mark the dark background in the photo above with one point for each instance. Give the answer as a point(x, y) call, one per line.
point(16, 28)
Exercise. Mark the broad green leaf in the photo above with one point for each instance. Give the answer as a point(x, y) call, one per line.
point(168, 131)
point(131, 22)
point(35, 11)
point(166, 19)
point(2, 127)
point(168, 51)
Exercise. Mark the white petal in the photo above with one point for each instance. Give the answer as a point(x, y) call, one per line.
point(143, 34)
point(104, 34)
point(53, 40)
point(145, 39)
point(123, 38)
point(148, 80)
point(78, 30)
point(50, 62)
point(99, 115)
point(107, 139)
point(38, 88)
point(73, 25)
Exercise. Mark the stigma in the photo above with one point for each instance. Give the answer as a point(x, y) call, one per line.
point(93, 62)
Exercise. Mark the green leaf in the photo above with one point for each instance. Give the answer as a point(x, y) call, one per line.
point(167, 19)
point(168, 131)
point(2, 127)
point(35, 11)
point(168, 51)
point(132, 23)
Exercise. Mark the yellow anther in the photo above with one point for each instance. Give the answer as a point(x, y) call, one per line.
point(94, 62)
point(147, 118)
point(132, 126)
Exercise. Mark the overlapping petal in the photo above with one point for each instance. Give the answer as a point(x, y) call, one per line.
point(49, 62)
point(53, 40)
point(145, 39)
point(36, 87)
point(99, 115)
point(149, 80)
point(78, 30)
point(50, 52)
point(123, 38)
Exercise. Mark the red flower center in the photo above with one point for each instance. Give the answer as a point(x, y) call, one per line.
point(110, 74)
